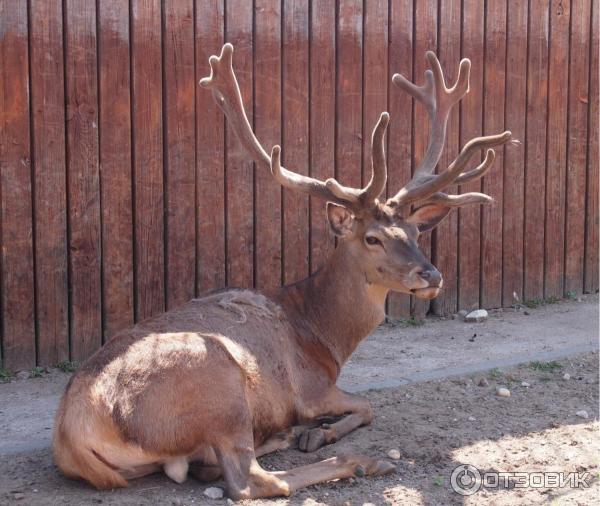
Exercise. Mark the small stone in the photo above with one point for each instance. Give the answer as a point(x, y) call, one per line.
point(502, 392)
point(525, 384)
point(483, 382)
point(477, 316)
point(472, 419)
point(22, 375)
point(18, 496)
point(526, 313)
point(230, 501)
point(582, 414)
point(566, 376)
point(462, 314)
point(394, 454)
point(214, 493)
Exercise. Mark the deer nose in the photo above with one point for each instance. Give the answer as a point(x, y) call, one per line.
point(432, 276)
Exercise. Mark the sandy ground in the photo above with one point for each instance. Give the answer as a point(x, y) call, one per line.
point(436, 424)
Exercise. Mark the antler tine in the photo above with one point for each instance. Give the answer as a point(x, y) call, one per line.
point(226, 92)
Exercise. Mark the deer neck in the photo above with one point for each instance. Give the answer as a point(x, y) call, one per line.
point(336, 306)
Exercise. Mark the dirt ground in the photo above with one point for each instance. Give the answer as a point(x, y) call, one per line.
point(435, 425)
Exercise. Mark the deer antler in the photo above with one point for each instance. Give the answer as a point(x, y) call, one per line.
point(226, 92)
point(438, 100)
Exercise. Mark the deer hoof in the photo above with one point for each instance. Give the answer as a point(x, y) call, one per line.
point(359, 471)
point(312, 439)
point(381, 468)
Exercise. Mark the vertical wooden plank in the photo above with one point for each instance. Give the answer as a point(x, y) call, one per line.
point(267, 126)
point(591, 238)
point(322, 122)
point(426, 20)
point(180, 192)
point(400, 129)
point(15, 179)
point(558, 86)
point(348, 143)
point(48, 117)
point(471, 124)
point(295, 137)
point(535, 147)
point(493, 123)
point(445, 254)
point(210, 153)
point(115, 163)
point(577, 145)
point(239, 166)
point(146, 98)
point(83, 178)
point(514, 158)
point(375, 73)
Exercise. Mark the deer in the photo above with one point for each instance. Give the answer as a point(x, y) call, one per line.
point(208, 387)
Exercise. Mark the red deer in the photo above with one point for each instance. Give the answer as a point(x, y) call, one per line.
point(232, 376)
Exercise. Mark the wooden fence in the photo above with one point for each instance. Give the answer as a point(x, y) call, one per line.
point(123, 193)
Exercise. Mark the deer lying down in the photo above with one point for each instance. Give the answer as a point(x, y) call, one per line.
point(235, 375)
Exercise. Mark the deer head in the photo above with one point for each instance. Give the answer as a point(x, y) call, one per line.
point(381, 237)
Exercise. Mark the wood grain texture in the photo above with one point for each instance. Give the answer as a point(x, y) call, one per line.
point(179, 88)
point(591, 237)
point(239, 168)
point(426, 19)
point(558, 86)
point(471, 110)
point(50, 202)
point(18, 330)
point(83, 176)
point(400, 105)
point(514, 156)
point(493, 123)
point(322, 122)
point(295, 138)
point(535, 147)
point(445, 251)
point(577, 145)
point(146, 77)
point(210, 153)
point(267, 127)
point(115, 164)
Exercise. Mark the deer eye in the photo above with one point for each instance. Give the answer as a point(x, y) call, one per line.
point(372, 240)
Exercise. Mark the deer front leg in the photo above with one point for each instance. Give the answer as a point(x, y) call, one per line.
point(357, 410)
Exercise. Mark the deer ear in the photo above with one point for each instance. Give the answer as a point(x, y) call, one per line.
point(340, 219)
point(428, 216)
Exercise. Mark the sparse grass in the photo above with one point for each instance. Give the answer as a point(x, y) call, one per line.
point(439, 480)
point(37, 372)
point(67, 366)
point(495, 373)
point(412, 321)
point(535, 303)
point(5, 375)
point(571, 295)
point(551, 366)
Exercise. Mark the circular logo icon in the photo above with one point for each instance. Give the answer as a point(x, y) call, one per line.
point(465, 479)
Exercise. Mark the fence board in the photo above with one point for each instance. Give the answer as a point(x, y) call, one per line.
point(239, 168)
point(267, 126)
point(577, 146)
point(514, 157)
point(426, 19)
point(399, 152)
point(471, 110)
point(591, 238)
point(322, 121)
point(50, 197)
point(210, 153)
point(146, 99)
point(558, 87)
point(179, 89)
point(83, 178)
point(295, 138)
point(115, 163)
point(493, 123)
point(445, 253)
point(15, 198)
